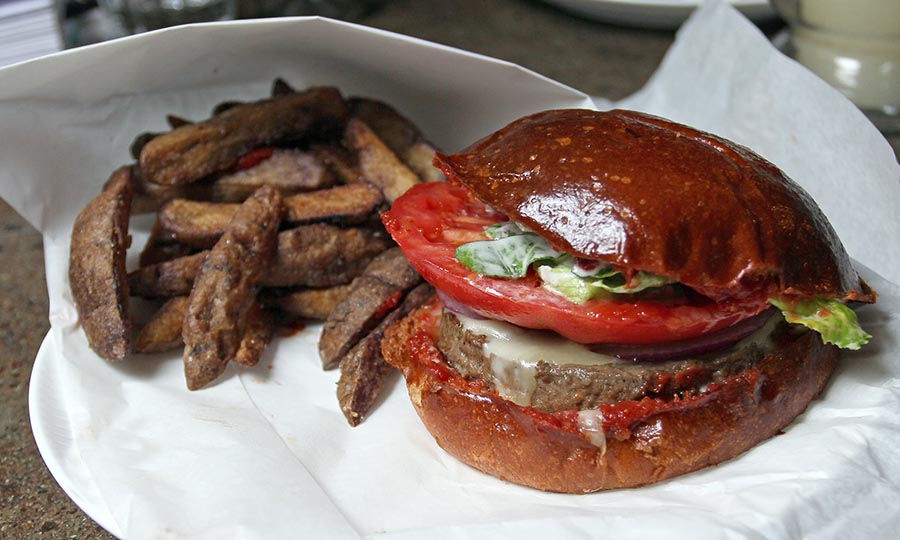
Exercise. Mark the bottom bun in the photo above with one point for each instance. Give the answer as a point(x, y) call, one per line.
point(625, 444)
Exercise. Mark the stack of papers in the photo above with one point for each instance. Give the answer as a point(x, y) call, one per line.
point(28, 29)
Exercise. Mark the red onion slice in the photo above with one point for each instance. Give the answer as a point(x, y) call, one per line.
point(661, 352)
point(458, 307)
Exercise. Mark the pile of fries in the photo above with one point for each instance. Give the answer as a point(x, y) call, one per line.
point(267, 212)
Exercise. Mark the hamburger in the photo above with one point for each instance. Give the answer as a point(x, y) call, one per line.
point(621, 299)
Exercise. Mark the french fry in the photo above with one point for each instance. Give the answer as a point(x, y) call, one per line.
point(403, 137)
point(163, 331)
point(149, 197)
point(226, 287)
point(259, 327)
point(307, 256)
point(323, 255)
point(281, 87)
point(307, 303)
point(200, 223)
point(289, 171)
point(364, 370)
point(177, 121)
point(168, 278)
point(341, 161)
point(372, 296)
point(159, 249)
point(377, 164)
point(97, 267)
point(195, 151)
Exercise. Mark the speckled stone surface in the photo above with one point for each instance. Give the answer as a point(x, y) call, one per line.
point(596, 58)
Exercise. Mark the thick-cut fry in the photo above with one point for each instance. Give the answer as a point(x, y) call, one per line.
point(290, 171)
point(226, 287)
point(148, 197)
point(323, 255)
point(377, 164)
point(163, 331)
point(364, 370)
point(159, 249)
point(308, 303)
point(97, 267)
point(177, 121)
point(200, 223)
point(195, 151)
point(372, 296)
point(341, 161)
point(259, 327)
point(281, 87)
point(308, 256)
point(400, 135)
point(166, 279)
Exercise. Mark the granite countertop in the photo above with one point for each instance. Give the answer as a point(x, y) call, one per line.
point(596, 58)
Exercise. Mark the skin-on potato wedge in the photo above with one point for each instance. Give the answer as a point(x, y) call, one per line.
point(377, 164)
point(307, 303)
point(166, 279)
point(307, 256)
point(259, 327)
point(195, 151)
point(364, 370)
point(163, 331)
point(149, 197)
point(200, 223)
point(400, 135)
point(341, 161)
point(97, 267)
point(290, 171)
point(323, 255)
point(226, 287)
point(372, 296)
point(159, 249)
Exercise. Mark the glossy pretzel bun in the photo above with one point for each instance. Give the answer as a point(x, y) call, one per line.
point(648, 194)
point(657, 441)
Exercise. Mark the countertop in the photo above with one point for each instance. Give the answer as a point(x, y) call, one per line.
point(597, 58)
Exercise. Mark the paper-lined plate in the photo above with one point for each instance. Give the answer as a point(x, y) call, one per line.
point(265, 453)
point(661, 14)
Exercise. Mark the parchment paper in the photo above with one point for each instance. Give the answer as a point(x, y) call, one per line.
point(265, 452)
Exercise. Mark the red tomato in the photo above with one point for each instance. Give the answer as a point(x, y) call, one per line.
point(432, 219)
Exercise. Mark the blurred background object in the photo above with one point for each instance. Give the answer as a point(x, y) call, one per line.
point(141, 15)
point(658, 14)
point(853, 46)
point(27, 30)
point(83, 22)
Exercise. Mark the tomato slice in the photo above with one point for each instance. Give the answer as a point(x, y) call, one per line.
point(430, 220)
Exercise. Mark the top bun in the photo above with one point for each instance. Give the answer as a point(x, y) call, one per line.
point(644, 193)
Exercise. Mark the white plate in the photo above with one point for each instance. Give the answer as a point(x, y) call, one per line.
point(661, 14)
point(265, 452)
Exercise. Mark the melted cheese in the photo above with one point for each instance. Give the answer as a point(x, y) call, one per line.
point(515, 352)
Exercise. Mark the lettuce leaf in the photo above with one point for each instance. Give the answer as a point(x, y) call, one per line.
point(509, 256)
point(831, 318)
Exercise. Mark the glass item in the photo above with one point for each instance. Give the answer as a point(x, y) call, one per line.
point(142, 15)
point(855, 47)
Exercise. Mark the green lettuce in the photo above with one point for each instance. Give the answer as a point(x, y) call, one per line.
point(562, 279)
point(831, 318)
point(509, 255)
point(513, 249)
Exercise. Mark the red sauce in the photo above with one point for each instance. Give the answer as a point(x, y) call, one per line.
point(253, 158)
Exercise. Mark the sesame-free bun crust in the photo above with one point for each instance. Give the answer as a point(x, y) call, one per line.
point(649, 194)
point(645, 442)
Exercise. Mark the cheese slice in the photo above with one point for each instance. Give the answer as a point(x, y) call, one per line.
point(515, 352)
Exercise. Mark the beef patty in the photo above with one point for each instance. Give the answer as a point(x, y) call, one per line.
point(561, 386)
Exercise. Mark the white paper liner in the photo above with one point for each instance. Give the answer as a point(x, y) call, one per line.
point(265, 452)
